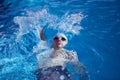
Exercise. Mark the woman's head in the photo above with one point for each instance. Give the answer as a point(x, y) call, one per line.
point(59, 41)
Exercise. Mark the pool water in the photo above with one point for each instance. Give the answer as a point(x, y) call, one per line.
point(92, 27)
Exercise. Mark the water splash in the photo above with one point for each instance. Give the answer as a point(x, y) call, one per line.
point(69, 23)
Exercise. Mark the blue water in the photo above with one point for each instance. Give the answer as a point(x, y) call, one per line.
point(91, 25)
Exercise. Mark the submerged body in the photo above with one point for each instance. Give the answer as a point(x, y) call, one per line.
point(52, 65)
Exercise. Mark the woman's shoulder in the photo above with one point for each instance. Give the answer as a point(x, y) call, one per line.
point(71, 51)
point(71, 54)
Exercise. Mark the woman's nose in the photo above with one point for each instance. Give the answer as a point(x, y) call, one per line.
point(59, 39)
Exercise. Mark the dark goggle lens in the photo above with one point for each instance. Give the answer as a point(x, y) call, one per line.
point(63, 39)
point(56, 38)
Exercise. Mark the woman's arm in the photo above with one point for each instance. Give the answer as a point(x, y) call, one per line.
point(42, 36)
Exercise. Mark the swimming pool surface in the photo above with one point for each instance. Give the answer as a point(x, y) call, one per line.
point(92, 26)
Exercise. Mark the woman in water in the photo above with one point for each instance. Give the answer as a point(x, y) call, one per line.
point(53, 63)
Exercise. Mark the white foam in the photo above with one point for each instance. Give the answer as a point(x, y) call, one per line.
point(34, 20)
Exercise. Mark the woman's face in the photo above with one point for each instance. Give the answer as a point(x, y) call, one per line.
point(59, 42)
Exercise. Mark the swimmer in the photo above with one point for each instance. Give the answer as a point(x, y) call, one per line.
point(53, 62)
